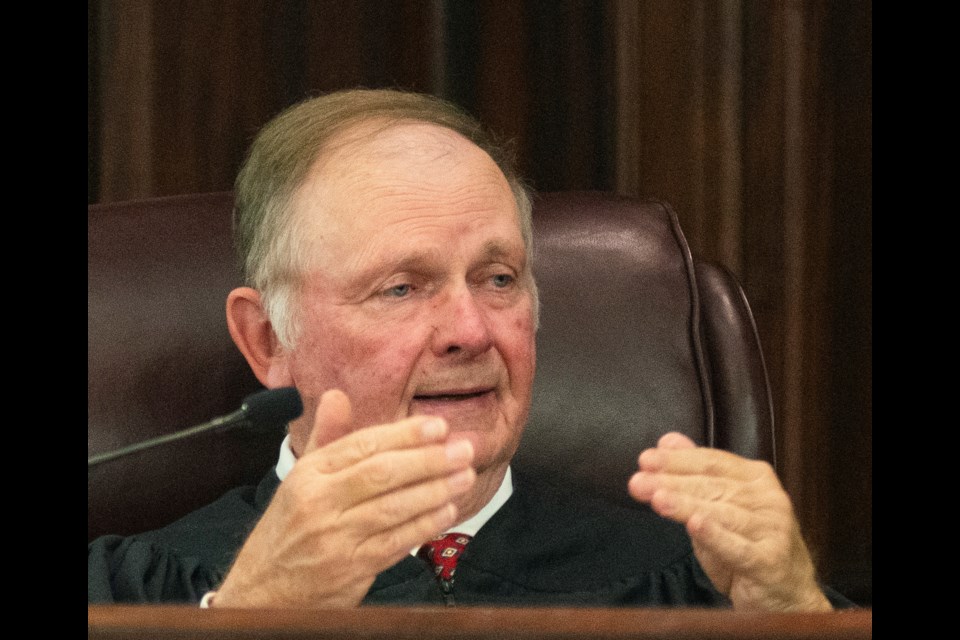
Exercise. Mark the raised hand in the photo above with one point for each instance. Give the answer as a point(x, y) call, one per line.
point(740, 520)
point(349, 510)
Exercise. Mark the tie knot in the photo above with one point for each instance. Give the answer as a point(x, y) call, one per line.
point(443, 552)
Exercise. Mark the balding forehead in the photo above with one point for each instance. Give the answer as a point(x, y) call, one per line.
point(378, 153)
point(388, 138)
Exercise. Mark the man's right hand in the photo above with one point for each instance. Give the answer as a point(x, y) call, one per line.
point(349, 510)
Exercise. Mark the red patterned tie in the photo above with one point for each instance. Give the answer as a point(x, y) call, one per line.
point(442, 553)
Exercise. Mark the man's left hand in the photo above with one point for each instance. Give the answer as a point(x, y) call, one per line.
point(740, 520)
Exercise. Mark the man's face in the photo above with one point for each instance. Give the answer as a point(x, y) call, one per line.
point(419, 298)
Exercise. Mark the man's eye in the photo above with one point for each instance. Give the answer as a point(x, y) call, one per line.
point(502, 280)
point(398, 291)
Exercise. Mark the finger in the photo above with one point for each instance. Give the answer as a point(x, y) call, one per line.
point(684, 508)
point(672, 440)
point(747, 494)
point(735, 506)
point(367, 442)
point(392, 470)
point(385, 548)
point(332, 419)
point(763, 492)
point(675, 440)
point(643, 486)
point(704, 461)
point(395, 508)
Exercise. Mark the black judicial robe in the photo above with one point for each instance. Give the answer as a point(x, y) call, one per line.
point(543, 547)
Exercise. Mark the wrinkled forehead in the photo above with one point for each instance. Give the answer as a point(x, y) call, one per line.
point(385, 148)
point(372, 169)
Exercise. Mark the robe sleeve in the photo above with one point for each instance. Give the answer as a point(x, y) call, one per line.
point(127, 569)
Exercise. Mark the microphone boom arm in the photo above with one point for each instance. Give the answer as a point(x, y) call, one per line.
point(261, 411)
point(229, 420)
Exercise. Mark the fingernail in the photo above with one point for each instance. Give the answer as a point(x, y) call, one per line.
point(459, 451)
point(432, 428)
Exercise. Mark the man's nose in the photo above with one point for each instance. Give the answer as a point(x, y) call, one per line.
point(460, 323)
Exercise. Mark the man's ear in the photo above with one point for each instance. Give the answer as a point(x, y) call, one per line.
point(253, 334)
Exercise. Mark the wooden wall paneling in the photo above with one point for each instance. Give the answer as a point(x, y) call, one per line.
point(670, 95)
point(367, 43)
point(334, 46)
point(763, 250)
point(679, 116)
point(572, 70)
point(489, 50)
point(848, 61)
point(828, 50)
point(216, 76)
point(413, 33)
point(125, 96)
point(808, 185)
point(539, 73)
point(181, 87)
point(723, 134)
point(626, 44)
point(94, 156)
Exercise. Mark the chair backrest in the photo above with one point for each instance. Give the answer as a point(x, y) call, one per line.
point(636, 339)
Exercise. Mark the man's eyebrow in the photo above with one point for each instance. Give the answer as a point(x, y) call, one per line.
point(491, 250)
point(497, 249)
point(422, 259)
point(417, 260)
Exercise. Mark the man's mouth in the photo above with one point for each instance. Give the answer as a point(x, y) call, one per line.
point(451, 395)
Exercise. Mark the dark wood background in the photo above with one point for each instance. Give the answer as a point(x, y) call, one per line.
point(753, 118)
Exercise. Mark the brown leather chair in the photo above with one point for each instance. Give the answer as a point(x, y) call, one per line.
point(636, 339)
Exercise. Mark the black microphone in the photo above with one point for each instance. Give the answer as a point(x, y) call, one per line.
point(260, 412)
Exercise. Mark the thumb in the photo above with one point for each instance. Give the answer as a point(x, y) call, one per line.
point(333, 419)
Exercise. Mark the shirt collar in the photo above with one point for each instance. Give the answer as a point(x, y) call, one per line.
point(472, 526)
point(287, 459)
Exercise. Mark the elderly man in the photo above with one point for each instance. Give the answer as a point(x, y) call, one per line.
point(386, 242)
